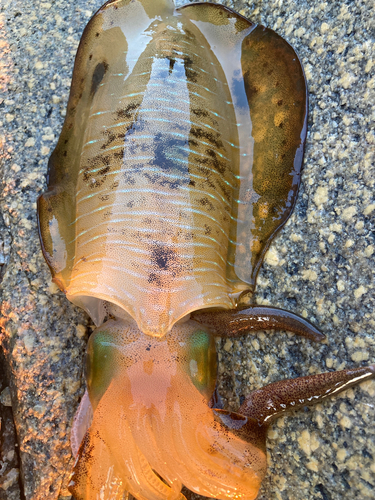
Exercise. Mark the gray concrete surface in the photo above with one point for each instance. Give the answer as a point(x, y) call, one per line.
point(321, 266)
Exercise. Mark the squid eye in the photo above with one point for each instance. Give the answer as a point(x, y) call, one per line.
point(202, 362)
point(100, 364)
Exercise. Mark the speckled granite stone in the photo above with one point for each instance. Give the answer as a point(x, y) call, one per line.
point(9, 458)
point(321, 266)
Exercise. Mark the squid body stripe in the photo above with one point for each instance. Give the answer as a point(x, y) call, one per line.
point(149, 268)
point(222, 298)
point(133, 94)
point(152, 84)
point(179, 284)
point(181, 289)
point(115, 268)
point(189, 122)
point(163, 110)
point(156, 170)
point(96, 257)
point(217, 152)
point(151, 213)
point(146, 262)
point(150, 168)
point(183, 189)
point(140, 228)
point(161, 99)
point(170, 92)
point(189, 54)
point(93, 142)
point(189, 162)
point(169, 132)
point(120, 243)
point(105, 150)
point(98, 169)
point(192, 151)
point(198, 232)
point(136, 285)
point(113, 291)
point(140, 74)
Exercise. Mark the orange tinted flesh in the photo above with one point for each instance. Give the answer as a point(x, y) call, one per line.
point(178, 161)
point(153, 422)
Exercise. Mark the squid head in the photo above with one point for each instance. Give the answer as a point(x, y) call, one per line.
point(153, 428)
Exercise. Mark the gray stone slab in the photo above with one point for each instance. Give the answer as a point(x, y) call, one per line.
point(321, 266)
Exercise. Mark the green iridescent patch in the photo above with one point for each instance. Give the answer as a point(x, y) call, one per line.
point(202, 362)
point(100, 364)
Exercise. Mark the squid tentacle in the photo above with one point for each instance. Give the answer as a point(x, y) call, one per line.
point(270, 402)
point(236, 322)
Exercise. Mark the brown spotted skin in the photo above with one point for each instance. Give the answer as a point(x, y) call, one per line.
point(178, 162)
point(273, 400)
point(241, 321)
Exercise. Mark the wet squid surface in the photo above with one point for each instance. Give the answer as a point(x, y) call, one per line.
point(162, 178)
point(178, 162)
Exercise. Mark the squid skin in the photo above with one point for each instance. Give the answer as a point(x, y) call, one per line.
point(178, 163)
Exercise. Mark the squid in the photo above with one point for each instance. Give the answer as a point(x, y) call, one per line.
point(179, 161)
